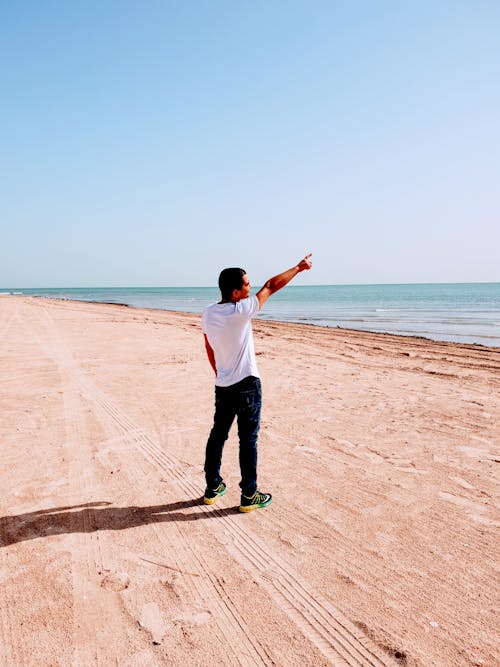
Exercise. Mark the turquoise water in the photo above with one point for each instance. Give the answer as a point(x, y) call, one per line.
point(461, 312)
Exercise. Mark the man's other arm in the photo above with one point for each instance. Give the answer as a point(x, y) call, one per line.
point(210, 354)
point(277, 282)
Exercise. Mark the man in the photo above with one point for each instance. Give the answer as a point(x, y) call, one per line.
point(229, 344)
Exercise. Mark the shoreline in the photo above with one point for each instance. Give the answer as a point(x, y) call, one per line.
point(257, 320)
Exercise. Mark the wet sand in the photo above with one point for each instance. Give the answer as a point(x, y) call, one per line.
point(381, 452)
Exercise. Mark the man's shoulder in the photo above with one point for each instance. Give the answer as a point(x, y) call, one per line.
point(212, 308)
point(250, 305)
point(209, 307)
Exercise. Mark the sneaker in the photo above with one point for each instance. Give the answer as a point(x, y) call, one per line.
point(211, 495)
point(254, 502)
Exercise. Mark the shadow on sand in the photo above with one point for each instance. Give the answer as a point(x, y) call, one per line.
point(91, 517)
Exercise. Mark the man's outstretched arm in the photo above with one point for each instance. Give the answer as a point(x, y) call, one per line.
point(277, 282)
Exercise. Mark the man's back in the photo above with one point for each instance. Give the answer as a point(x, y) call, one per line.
point(228, 328)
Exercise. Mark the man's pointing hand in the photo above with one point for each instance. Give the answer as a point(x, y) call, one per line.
point(306, 263)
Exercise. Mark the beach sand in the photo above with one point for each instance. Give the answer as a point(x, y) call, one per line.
point(379, 548)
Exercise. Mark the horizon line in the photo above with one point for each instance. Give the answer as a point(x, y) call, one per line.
point(465, 282)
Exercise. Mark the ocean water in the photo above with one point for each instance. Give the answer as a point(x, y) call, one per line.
point(460, 312)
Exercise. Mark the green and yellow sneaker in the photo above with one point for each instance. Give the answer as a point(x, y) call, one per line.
point(211, 495)
point(254, 502)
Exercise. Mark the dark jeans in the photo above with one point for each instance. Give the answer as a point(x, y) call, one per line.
point(242, 400)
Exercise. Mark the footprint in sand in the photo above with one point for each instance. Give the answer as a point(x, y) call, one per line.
point(116, 581)
point(152, 620)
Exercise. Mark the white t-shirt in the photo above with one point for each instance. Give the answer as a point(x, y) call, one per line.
point(228, 327)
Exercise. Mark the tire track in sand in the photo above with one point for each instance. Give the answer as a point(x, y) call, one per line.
point(89, 610)
point(232, 625)
point(92, 608)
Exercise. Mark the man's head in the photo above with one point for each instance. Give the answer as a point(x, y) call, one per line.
point(234, 284)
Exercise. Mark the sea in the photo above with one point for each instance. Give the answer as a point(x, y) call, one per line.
point(459, 312)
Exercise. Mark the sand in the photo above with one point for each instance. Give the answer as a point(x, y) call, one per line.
point(380, 547)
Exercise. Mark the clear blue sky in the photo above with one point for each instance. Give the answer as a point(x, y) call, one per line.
point(155, 142)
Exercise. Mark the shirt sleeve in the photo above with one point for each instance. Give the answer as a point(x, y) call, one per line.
point(249, 307)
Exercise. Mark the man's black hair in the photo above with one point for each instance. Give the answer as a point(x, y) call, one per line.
point(229, 280)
